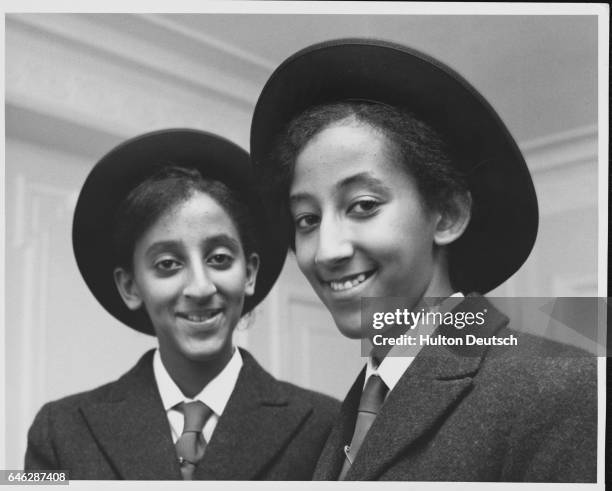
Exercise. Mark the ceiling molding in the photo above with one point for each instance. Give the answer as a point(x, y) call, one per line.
point(564, 167)
point(61, 133)
point(573, 147)
point(210, 42)
point(197, 70)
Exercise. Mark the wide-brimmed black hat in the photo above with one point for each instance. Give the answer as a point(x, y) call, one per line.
point(126, 166)
point(504, 223)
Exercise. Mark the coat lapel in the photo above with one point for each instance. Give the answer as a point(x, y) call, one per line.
point(256, 425)
point(412, 408)
point(132, 429)
point(427, 392)
point(331, 459)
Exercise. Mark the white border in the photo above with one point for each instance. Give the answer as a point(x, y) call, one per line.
point(369, 8)
point(304, 7)
point(603, 98)
point(2, 260)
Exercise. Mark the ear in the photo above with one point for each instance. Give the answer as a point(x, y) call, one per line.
point(128, 289)
point(453, 219)
point(252, 267)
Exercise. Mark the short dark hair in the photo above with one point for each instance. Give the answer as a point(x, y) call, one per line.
point(423, 152)
point(167, 187)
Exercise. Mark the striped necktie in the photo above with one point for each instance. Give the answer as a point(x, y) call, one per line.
point(191, 444)
point(371, 401)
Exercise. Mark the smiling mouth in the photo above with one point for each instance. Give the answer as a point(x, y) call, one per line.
point(199, 317)
point(348, 282)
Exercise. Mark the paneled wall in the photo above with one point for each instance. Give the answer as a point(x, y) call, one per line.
point(78, 84)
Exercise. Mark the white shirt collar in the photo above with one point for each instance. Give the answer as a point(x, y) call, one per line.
point(396, 362)
point(215, 395)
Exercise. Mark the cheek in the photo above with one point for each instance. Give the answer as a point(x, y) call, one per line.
point(415, 230)
point(405, 243)
point(304, 254)
point(232, 282)
point(157, 293)
point(387, 238)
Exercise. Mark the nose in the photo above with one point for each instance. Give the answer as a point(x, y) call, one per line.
point(199, 284)
point(334, 243)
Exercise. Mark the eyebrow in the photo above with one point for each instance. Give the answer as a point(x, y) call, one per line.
point(161, 245)
point(360, 179)
point(223, 240)
point(209, 242)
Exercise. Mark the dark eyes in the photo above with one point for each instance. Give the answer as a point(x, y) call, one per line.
point(221, 260)
point(218, 261)
point(167, 265)
point(304, 222)
point(361, 208)
point(364, 206)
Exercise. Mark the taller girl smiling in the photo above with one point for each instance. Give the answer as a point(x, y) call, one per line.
point(361, 227)
point(397, 179)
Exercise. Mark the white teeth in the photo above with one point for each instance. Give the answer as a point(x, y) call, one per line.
point(338, 286)
point(201, 318)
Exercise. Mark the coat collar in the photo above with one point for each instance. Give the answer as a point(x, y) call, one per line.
point(259, 420)
point(131, 426)
point(331, 459)
point(433, 384)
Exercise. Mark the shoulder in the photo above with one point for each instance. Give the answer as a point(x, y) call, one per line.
point(323, 405)
point(545, 398)
point(66, 409)
point(532, 363)
point(73, 401)
point(540, 359)
point(555, 377)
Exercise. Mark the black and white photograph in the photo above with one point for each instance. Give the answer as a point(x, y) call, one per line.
point(305, 241)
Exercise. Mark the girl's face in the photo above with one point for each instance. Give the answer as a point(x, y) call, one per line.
point(361, 229)
point(191, 275)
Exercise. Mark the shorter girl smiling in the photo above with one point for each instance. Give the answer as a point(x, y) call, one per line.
point(191, 269)
point(170, 238)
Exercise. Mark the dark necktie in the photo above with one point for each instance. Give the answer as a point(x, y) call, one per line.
point(191, 444)
point(370, 403)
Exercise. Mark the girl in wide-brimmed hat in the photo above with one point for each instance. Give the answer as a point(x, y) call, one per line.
point(396, 178)
point(170, 237)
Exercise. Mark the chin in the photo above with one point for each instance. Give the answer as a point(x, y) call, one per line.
point(351, 328)
point(203, 354)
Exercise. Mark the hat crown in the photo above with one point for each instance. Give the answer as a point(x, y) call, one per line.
point(505, 219)
point(130, 163)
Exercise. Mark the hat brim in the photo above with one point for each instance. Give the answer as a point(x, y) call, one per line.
point(504, 224)
point(127, 165)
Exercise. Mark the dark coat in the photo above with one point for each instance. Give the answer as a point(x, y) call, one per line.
point(494, 416)
point(269, 430)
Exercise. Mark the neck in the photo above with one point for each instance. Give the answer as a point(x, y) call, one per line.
point(439, 285)
point(437, 290)
point(191, 376)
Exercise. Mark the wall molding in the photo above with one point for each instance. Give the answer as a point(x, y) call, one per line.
point(564, 167)
point(40, 206)
point(573, 147)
